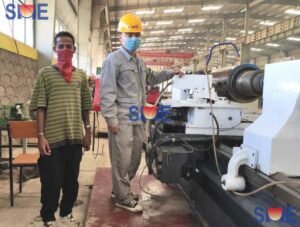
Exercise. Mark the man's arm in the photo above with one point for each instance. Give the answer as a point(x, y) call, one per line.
point(87, 137)
point(86, 106)
point(38, 104)
point(43, 144)
point(109, 94)
point(159, 77)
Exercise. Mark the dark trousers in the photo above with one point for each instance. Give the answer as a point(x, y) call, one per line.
point(58, 171)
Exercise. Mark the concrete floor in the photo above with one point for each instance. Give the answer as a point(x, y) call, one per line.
point(162, 205)
point(27, 204)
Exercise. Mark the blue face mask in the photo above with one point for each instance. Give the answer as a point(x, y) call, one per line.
point(131, 43)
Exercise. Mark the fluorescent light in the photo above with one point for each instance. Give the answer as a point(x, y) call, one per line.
point(196, 20)
point(144, 12)
point(152, 38)
point(185, 30)
point(211, 7)
point(230, 38)
point(249, 31)
point(243, 10)
point(177, 10)
point(256, 49)
point(273, 44)
point(160, 31)
point(297, 39)
point(231, 56)
point(176, 37)
point(292, 11)
point(267, 23)
point(164, 22)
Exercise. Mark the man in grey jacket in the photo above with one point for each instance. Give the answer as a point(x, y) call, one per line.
point(123, 82)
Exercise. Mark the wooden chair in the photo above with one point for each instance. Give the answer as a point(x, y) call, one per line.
point(20, 130)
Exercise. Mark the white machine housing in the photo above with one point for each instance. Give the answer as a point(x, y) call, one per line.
point(192, 91)
point(275, 136)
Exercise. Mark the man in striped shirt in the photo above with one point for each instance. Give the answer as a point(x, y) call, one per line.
point(62, 101)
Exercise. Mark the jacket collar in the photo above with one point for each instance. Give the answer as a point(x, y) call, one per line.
point(126, 54)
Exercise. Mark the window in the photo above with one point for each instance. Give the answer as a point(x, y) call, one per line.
point(20, 29)
point(6, 25)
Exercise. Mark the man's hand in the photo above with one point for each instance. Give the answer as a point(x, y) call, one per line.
point(87, 140)
point(113, 129)
point(44, 147)
point(179, 73)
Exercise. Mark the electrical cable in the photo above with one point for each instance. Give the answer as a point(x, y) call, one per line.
point(173, 139)
point(210, 99)
point(217, 45)
point(227, 129)
point(217, 124)
point(151, 155)
point(148, 124)
point(212, 122)
point(149, 193)
point(264, 187)
point(161, 93)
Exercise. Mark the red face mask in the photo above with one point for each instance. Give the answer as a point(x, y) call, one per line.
point(64, 63)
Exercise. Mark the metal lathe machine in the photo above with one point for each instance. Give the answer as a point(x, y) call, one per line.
point(240, 166)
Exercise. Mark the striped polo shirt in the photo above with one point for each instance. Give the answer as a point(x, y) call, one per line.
point(64, 103)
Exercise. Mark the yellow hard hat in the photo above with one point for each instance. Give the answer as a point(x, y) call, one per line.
point(130, 23)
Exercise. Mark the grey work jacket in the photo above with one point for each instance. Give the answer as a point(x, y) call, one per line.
point(123, 83)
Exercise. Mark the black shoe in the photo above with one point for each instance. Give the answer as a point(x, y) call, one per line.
point(132, 206)
point(69, 220)
point(136, 197)
point(49, 224)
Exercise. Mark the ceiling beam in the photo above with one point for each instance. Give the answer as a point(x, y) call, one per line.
point(187, 40)
point(153, 54)
point(201, 16)
point(187, 17)
point(202, 27)
point(197, 3)
point(289, 45)
point(206, 26)
point(195, 34)
point(159, 63)
point(255, 2)
point(210, 26)
point(173, 4)
point(283, 2)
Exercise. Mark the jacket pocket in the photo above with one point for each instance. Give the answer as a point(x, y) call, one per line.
point(127, 83)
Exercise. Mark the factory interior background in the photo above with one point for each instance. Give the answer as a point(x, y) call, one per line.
point(234, 124)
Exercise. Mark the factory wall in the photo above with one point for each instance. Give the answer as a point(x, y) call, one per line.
point(18, 72)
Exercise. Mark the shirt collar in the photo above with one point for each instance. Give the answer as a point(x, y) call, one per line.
point(55, 66)
point(125, 53)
